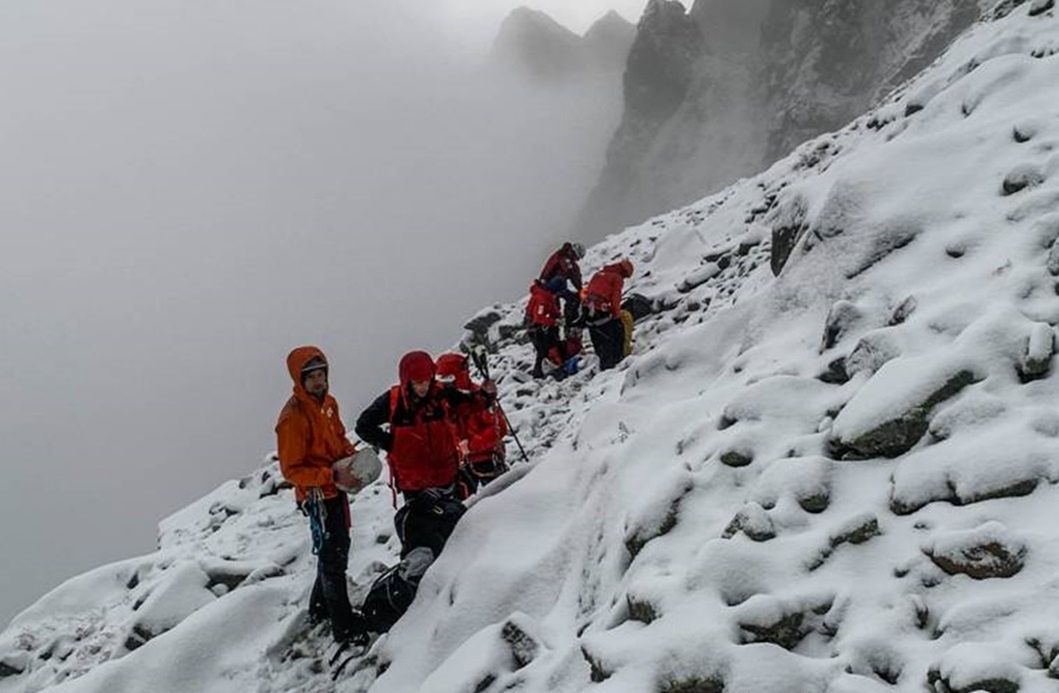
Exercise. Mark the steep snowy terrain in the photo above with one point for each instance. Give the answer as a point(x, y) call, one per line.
point(829, 465)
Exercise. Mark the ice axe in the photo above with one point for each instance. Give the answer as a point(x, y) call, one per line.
point(480, 357)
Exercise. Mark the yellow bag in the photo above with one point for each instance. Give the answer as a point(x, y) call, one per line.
point(627, 323)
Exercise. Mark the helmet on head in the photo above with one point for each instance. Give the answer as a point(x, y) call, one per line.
point(578, 250)
point(626, 268)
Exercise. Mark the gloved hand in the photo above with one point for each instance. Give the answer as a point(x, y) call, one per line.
point(489, 388)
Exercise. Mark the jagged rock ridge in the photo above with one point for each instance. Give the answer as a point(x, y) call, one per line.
point(747, 82)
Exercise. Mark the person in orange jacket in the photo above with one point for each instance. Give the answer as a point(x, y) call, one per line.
point(479, 425)
point(311, 439)
point(603, 312)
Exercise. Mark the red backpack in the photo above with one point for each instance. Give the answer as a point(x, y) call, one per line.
point(543, 307)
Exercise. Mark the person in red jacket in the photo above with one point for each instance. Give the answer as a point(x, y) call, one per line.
point(412, 422)
point(562, 275)
point(603, 312)
point(479, 425)
point(311, 439)
point(542, 318)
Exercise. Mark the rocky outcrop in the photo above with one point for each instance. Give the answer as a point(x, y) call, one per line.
point(724, 90)
point(658, 74)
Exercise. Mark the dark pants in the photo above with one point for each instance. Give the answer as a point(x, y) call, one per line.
point(423, 525)
point(571, 310)
point(543, 338)
point(329, 597)
point(426, 522)
point(608, 341)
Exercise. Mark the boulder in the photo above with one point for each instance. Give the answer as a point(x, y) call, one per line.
point(790, 225)
point(891, 413)
point(1022, 177)
point(840, 319)
point(989, 551)
point(753, 521)
point(1040, 347)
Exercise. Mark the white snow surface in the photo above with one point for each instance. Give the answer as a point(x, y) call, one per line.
point(602, 564)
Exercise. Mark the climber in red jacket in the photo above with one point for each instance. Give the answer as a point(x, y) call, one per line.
point(480, 427)
point(603, 312)
point(542, 319)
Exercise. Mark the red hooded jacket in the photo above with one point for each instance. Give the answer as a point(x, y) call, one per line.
point(478, 422)
point(420, 445)
point(604, 290)
point(543, 307)
point(562, 263)
point(310, 433)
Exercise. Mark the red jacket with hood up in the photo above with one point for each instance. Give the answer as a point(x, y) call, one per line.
point(420, 444)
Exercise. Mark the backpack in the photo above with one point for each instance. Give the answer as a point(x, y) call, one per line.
point(394, 591)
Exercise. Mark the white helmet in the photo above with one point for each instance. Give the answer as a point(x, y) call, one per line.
point(579, 250)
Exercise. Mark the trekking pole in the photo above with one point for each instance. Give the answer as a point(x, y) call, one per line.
point(481, 362)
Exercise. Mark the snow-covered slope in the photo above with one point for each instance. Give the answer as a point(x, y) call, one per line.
point(841, 478)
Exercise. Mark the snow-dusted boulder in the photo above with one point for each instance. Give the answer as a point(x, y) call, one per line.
point(988, 551)
point(890, 414)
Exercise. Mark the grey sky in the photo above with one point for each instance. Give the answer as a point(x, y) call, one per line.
point(190, 189)
point(482, 16)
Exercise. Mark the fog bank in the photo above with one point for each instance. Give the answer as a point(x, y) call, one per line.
point(190, 189)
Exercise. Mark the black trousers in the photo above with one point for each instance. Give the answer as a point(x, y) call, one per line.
point(423, 525)
point(424, 521)
point(608, 341)
point(329, 597)
point(543, 338)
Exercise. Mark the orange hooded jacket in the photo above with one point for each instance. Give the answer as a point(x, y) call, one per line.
point(310, 433)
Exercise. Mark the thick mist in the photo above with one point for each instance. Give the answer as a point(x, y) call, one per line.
point(190, 189)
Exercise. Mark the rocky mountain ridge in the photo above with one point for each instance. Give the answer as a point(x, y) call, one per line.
point(723, 90)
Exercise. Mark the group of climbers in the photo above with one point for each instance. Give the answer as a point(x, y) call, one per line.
point(560, 307)
point(443, 436)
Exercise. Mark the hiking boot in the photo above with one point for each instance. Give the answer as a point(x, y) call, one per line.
point(357, 633)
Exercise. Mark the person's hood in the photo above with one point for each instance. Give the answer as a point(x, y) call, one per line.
point(455, 365)
point(296, 361)
point(415, 365)
point(623, 268)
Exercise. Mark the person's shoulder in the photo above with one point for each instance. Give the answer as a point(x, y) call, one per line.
point(292, 409)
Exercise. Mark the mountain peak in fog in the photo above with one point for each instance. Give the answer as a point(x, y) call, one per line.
point(610, 38)
point(533, 42)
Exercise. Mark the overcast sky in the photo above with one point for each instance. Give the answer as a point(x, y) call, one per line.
point(189, 189)
point(482, 16)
